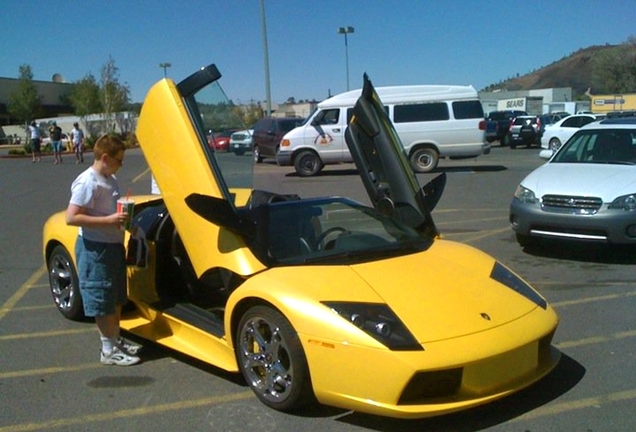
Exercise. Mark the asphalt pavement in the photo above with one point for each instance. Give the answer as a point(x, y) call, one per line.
point(51, 379)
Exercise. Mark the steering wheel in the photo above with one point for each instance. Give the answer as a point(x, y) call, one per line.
point(321, 238)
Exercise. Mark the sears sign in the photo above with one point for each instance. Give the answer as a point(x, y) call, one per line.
point(512, 104)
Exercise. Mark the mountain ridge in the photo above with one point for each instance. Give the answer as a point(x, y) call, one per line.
point(575, 71)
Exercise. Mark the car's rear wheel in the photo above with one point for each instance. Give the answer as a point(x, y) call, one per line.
point(257, 155)
point(424, 159)
point(271, 359)
point(307, 163)
point(64, 284)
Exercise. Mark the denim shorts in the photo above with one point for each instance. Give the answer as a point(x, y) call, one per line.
point(101, 268)
point(57, 146)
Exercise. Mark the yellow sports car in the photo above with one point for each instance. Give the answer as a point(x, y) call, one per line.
point(313, 300)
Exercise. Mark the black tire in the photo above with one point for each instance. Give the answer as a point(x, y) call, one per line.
point(257, 155)
point(64, 284)
point(239, 152)
point(307, 163)
point(272, 361)
point(424, 159)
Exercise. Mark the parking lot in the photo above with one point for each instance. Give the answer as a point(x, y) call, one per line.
point(51, 379)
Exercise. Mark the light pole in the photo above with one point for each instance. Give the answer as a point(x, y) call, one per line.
point(268, 94)
point(345, 31)
point(165, 66)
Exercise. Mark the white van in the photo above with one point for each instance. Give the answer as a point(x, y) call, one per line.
point(433, 121)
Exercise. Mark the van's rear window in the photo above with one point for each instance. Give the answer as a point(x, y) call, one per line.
point(468, 110)
point(420, 112)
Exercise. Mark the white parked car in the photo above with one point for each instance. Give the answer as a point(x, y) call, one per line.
point(556, 134)
point(586, 191)
point(241, 141)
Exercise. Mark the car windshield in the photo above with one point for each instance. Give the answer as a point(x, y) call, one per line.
point(334, 230)
point(605, 146)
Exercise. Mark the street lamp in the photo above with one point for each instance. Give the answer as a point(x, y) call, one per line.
point(165, 66)
point(345, 31)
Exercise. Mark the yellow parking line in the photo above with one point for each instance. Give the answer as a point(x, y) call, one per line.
point(122, 414)
point(595, 339)
point(92, 329)
point(594, 299)
point(140, 176)
point(48, 371)
point(560, 408)
point(15, 298)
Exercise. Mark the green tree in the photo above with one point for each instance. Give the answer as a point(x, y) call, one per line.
point(114, 96)
point(614, 70)
point(25, 103)
point(84, 98)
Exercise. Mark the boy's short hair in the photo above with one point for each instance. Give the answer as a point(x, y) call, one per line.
point(109, 144)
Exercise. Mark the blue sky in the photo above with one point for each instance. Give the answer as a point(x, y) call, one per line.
point(397, 42)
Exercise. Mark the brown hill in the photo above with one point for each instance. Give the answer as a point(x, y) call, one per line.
point(575, 71)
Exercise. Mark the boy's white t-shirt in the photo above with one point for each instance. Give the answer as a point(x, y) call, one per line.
point(98, 195)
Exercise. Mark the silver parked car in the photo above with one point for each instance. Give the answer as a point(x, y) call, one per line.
point(586, 191)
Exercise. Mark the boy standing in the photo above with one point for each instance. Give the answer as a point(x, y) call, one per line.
point(99, 249)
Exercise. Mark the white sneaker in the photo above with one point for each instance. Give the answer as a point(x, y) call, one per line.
point(118, 357)
point(127, 346)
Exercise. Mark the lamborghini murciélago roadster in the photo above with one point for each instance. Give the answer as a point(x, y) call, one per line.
point(316, 300)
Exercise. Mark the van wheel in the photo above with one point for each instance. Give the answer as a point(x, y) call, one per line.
point(424, 159)
point(257, 155)
point(307, 164)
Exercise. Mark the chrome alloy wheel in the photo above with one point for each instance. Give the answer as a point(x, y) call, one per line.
point(271, 359)
point(64, 284)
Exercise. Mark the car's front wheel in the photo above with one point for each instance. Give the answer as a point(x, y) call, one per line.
point(64, 284)
point(307, 164)
point(555, 144)
point(271, 359)
point(424, 159)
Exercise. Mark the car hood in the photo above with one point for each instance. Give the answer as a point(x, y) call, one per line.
point(606, 181)
point(457, 299)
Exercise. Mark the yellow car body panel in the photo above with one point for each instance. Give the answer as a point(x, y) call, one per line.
point(180, 168)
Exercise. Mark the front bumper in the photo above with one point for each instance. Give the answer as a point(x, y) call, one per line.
point(284, 158)
point(445, 377)
point(609, 226)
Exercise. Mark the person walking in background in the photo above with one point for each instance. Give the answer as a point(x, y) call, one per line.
point(77, 138)
point(99, 249)
point(55, 132)
point(36, 141)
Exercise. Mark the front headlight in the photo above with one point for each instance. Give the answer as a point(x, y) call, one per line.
point(525, 195)
point(379, 322)
point(625, 202)
point(504, 276)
